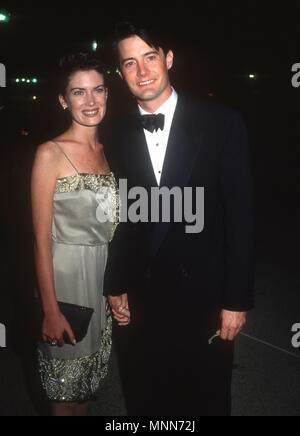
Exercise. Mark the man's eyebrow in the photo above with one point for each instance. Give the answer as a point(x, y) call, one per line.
point(144, 55)
point(151, 52)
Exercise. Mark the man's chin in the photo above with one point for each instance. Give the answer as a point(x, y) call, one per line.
point(147, 95)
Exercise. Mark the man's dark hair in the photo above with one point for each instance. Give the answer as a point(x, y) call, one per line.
point(73, 63)
point(154, 37)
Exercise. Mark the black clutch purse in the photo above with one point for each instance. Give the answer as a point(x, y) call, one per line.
point(79, 318)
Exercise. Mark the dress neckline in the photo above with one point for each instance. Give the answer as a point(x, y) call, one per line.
point(85, 174)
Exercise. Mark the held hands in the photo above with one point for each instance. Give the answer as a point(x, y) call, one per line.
point(120, 309)
point(232, 324)
point(54, 327)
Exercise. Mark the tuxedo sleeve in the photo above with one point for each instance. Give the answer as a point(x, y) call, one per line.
point(119, 262)
point(118, 267)
point(238, 201)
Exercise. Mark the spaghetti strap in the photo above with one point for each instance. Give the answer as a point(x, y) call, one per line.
point(66, 156)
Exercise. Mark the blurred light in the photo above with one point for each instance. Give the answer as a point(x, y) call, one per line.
point(34, 97)
point(94, 45)
point(24, 80)
point(108, 72)
point(117, 71)
point(4, 16)
point(252, 76)
point(24, 133)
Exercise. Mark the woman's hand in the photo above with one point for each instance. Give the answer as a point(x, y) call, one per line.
point(54, 327)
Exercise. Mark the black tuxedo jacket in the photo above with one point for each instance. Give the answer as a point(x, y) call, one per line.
point(208, 147)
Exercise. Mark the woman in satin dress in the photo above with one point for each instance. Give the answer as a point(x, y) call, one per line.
point(72, 190)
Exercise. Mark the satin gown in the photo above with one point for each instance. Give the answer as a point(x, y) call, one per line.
point(85, 216)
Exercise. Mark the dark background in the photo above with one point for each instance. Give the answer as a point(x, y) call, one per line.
point(216, 47)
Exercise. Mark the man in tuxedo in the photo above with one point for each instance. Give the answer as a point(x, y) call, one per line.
point(182, 288)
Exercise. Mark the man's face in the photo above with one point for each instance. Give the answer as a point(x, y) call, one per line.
point(145, 69)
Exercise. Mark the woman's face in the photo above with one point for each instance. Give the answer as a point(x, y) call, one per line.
point(86, 98)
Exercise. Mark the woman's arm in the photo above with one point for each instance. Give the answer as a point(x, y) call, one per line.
point(43, 181)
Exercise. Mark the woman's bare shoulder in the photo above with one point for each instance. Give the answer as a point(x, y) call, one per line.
point(47, 151)
point(47, 160)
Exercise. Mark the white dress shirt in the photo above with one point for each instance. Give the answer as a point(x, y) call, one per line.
point(157, 141)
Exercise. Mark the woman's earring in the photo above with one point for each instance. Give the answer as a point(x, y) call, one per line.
point(65, 107)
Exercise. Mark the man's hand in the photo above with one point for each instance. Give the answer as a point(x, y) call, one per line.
point(120, 309)
point(232, 324)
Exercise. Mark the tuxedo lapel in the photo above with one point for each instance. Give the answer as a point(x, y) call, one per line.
point(184, 145)
point(141, 167)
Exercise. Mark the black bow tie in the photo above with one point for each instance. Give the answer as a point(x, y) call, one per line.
point(153, 122)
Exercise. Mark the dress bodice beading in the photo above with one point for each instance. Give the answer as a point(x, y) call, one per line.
point(85, 209)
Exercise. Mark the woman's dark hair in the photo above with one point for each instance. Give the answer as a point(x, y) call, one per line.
point(154, 37)
point(73, 63)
